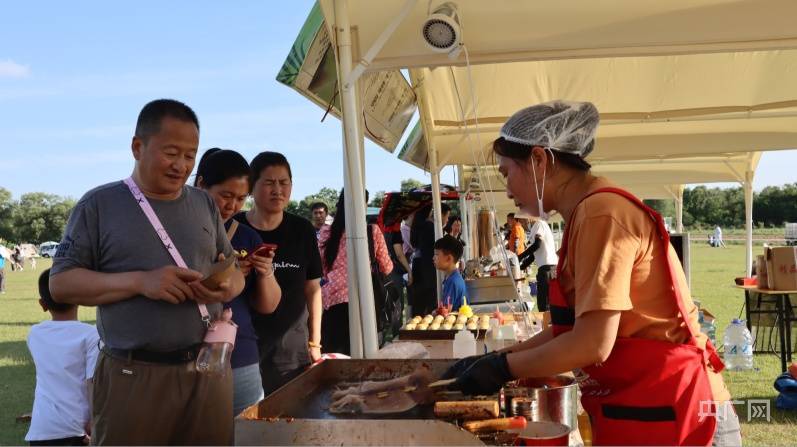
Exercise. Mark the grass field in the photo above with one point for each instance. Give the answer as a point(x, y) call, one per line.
point(713, 271)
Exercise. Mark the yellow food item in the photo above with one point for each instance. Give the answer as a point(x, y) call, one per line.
point(439, 319)
point(422, 327)
point(410, 326)
point(459, 326)
point(484, 317)
point(472, 326)
point(466, 311)
point(428, 319)
point(434, 326)
point(416, 320)
point(451, 319)
point(447, 326)
point(473, 319)
point(462, 319)
point(484, 325)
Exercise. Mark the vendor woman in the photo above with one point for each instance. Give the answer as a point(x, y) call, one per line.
point(620, 306)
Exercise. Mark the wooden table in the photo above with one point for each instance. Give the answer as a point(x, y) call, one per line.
point(784, 317)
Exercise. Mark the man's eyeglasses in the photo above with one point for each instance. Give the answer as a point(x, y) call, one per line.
point(271, 183)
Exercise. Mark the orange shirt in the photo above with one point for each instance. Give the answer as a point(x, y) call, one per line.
point(517, 239)
point(615, 261)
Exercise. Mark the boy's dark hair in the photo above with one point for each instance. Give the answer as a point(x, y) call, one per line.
point(318, 205)
point(450, 246)
point(151, 116)
point(44, 294)
point(218, 165)
point(268, 159)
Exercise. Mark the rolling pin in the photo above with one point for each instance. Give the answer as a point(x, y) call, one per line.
point(467, 410)
point(500, 424)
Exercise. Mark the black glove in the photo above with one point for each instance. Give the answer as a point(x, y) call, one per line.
point(485, 376)
point(460, 366)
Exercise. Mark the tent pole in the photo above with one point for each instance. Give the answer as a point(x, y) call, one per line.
point(679, 210)
point(748, 220)
point(464, 215)
point(355, 328)
point(437, 208)
point(360, 277)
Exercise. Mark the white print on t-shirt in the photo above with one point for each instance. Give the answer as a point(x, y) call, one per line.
point(286, 265)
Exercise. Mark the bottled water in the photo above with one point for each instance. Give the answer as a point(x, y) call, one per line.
point(708, 328)
point(738, 347)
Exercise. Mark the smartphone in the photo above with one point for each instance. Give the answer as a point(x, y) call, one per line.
point(263, 250)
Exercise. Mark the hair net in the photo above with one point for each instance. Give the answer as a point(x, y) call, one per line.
point(564, 126)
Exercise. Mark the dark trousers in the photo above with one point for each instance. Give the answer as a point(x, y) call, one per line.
point(543, 274)
point(424, 287)
point(335, 330)
point(75, 440)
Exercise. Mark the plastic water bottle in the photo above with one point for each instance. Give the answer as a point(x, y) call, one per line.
point(464, 344)
point(708, 328)
point(738, 347)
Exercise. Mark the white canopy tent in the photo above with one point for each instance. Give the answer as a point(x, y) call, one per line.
point(676, 79)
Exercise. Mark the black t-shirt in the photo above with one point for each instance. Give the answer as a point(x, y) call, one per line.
point(426, 240)
point(283, 335)
point(392, 238)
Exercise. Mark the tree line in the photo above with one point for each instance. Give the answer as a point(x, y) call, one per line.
point(38, 217)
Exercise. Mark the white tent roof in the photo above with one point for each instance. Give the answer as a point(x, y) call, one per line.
point(512, 30)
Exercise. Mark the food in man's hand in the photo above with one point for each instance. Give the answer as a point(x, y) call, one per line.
point(410, 326)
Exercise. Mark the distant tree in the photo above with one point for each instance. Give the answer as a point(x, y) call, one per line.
point(39, 217)
point(6, 215)
point(410, 184)
point(665, 207)
point(378, 199)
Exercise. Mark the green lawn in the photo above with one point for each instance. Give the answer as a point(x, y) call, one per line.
point(713, 271)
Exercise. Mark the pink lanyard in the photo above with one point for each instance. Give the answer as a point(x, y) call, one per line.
point(164, 236)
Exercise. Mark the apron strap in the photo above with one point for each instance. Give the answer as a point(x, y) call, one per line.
point(163, 235)
point(664, 236)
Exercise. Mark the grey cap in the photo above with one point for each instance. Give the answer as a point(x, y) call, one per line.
point(565, 126)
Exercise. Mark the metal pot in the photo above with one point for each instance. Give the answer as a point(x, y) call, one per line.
point(556, 398)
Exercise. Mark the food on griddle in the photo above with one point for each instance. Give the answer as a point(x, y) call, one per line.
point(472, 326)
point(439, 319)
point(467, 410)
point(349, 403)
point(462, 319)
point(435, 326)
point(382, 395)
point(422, 327)
point(473, 319)
point(428, 319)
point(499, 424)
point(447, 326)
point(459, 327)
point(451, 319)
point(416, 320)
point(410, 326)
point(484, 325)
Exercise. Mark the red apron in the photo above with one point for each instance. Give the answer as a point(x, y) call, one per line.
point(648, 392)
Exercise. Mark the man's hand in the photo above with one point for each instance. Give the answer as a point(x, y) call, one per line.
point(170, 284)
point(203, 295)
point(460, 366)
point(246, 266)
point(262, 264)
point(409, 278)
point(315, 354)
point(485, 376)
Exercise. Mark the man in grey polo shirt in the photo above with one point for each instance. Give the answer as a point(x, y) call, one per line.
point(146, 386)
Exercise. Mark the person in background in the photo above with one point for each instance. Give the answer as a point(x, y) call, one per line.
point(424, 275)
point(447, 253)
point(516, 242)
point(544, 255)
point(225, 175)
point(148, 314)
point(290, 337)
point(454, 229)
point(335, 291)
point(320, 213)
point(64, 351)
point(2, 274)
point(401, 267)
point(718, 242)
point(406, 229)
point(32, 263)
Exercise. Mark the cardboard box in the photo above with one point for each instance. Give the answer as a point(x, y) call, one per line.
point(781, 267)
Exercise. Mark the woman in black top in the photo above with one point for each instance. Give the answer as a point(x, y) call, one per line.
point(424, 275)
point(289, 338)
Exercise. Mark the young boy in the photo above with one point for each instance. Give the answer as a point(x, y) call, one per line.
point(64, 351)
point(447, 252)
